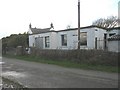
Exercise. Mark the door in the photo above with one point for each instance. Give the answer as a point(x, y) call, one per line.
point(96, 43)
point(105, 41)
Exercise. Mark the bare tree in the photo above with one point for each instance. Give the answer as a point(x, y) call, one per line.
point(110, 22)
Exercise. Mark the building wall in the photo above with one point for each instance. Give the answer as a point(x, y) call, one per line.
point(52, 38)
point(32, 40)
point(116, 31)
point(99, 33)
point(114, 46)
point(72, 39)
point(90, 38)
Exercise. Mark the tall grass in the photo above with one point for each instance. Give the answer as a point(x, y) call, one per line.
point(66, 63)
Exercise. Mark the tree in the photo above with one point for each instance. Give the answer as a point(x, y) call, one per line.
point(15, 40)
point(109, 22)
point(4, 44)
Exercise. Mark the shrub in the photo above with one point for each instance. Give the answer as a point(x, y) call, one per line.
point(96, 57)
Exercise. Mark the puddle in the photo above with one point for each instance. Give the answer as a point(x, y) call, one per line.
point(14, 74)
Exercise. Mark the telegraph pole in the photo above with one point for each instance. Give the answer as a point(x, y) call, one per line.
point(78, 24)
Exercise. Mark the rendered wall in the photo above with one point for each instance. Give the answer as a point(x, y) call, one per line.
point(114, 46)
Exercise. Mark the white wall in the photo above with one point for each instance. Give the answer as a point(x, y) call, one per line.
point(90, 38)
point(72, 38)
point(31, 40)
point(53, 40)
point(114, 46)
point(99, 33)
point(29, 31)
point(52, 36)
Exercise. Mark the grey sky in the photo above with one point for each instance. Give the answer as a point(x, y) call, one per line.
point(16, 15)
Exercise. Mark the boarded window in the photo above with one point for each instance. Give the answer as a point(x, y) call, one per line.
point(47, 42)
point(83, 38)
point(39, 42)
point(64, 40)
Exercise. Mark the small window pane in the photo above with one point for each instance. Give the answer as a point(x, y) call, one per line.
point(64, 40)
point(47, 42)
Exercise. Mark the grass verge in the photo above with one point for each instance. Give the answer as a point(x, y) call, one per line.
point(66, 63)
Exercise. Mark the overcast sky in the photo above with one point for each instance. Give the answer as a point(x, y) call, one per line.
point(16, 15)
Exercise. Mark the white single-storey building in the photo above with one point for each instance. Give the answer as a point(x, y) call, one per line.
point(113, 39)
point(91, 37)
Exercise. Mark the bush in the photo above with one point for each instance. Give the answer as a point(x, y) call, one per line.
point(95, 57)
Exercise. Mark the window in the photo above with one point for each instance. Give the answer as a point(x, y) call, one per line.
point(64, 40)
point(83, 38)
point(111, 34)
point(47, 42)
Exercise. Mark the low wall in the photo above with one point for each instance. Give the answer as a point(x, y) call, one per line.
point(97, 57)
point(15, 51)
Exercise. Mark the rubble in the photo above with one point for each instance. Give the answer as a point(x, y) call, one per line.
point(6, 83)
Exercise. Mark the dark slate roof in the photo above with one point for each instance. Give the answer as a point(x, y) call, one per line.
point(92, 26)
point(45, 30)
point(114, 37)
point(39, 30)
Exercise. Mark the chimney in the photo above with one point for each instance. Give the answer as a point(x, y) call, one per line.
point(30, 26)
point(51, 26)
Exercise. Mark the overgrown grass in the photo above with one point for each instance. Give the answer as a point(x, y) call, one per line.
point(66, 63)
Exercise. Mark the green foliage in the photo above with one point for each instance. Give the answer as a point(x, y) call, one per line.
point(95, 57)
point(66, 63)
point(14, 40)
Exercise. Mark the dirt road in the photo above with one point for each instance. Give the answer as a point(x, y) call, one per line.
point(37, 75)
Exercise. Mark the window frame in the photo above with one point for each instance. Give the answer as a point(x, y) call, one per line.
point(111, 34)
point(83, 39)
point(47, 42)
point(64, 40)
